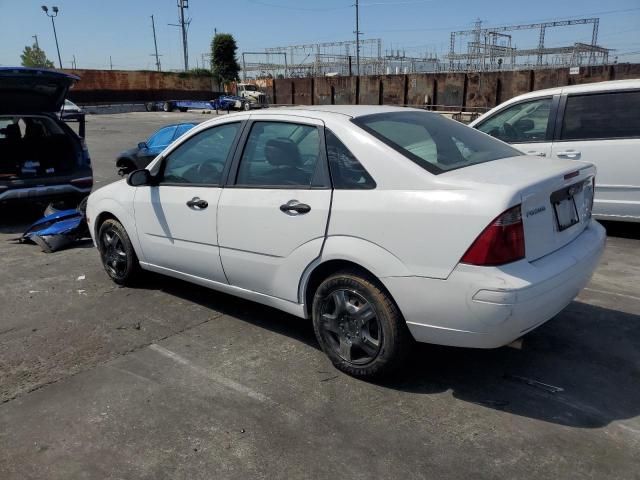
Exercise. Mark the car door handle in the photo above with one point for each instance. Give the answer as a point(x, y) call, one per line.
point(537, 154)
point(294, 207)
point(196, 202)
point(571, 154)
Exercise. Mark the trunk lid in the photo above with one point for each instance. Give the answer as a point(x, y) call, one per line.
point(556, 196)
point(33, 90)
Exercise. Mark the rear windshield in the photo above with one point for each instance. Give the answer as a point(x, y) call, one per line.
point(435, 143)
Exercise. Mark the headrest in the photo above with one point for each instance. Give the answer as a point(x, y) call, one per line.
point(282, 151)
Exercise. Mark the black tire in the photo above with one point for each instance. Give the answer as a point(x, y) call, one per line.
point(117, 254)
point(348, 335)
point(167, 107)
point(247, 106)
point(149, 107)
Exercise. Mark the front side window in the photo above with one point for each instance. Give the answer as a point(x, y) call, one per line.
point(279, 154)
point(521, 123)
point(347, 173)
point(162, 137)
point(435, 143)
point(601, 116)
point(201, 159)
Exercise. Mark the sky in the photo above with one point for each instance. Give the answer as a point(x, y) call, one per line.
point(94, 30)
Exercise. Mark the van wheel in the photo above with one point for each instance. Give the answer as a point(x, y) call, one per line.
point(359, 326)
point(167, 107)
point(117, 254)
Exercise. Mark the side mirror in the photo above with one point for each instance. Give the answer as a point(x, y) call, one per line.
point(139, 178)
point(142, 145)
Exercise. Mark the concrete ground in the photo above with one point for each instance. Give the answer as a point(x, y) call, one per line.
point(170, 380)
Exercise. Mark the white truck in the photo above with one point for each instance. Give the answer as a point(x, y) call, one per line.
point(255, 98)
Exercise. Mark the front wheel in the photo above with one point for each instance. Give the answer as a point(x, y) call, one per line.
point(247, 106)
point(359, 326)
point(117, 254)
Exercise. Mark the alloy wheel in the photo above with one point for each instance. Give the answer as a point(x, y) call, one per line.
point(114, 254)
point(350, 326)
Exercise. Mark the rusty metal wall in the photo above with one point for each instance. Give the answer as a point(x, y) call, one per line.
point(334, 91)
point(302, 91)
point(129, 86)
point(444, 90)
point(393, 89)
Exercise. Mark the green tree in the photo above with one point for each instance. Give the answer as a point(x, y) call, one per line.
point(34, 56)
point(224, 65)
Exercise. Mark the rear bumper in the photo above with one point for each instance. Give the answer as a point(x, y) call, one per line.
point(487, 307)
point(41, 193)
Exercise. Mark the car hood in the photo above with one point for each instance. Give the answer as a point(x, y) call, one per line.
point(33, 90)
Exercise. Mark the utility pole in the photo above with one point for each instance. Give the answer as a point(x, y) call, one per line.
point(36, 37)
point(110, 63)
point(357, 32)
point(182, 4)
point(184, 25)
point(155, 43)
point(55, 14)
point(73, 62)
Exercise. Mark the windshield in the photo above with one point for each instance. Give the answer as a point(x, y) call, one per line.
point(251, 88)
point(435, 143)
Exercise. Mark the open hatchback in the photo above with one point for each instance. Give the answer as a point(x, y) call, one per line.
point(41, 158)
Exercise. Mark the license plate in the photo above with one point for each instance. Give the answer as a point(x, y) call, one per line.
point(566, 213)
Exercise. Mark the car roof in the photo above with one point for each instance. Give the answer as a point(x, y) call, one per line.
point(583, 88)
point(323, 111)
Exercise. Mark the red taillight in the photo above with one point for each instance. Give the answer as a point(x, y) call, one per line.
point(501, 242)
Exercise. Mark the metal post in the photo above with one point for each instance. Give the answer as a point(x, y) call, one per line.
point(357, 32)
point(110, 63)
point(181, 6)
point(244, 69)
point(36, 37)
point(155, 43)
point(55, 35)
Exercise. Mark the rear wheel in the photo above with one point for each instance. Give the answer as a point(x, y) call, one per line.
point(117, 254)
point(247, 106)
point(167, 107)
point(359, 326)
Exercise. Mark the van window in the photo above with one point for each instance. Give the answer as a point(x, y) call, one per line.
point(601, 116)
point(520, 123)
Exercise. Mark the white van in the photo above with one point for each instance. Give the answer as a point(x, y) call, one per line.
point(597, 123)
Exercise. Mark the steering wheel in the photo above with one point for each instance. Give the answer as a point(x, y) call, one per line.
point(509, 131)
point(209, 171)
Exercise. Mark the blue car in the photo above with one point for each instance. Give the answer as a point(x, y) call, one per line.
point(140, 156)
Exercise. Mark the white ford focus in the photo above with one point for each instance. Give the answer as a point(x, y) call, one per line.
point(381, 224)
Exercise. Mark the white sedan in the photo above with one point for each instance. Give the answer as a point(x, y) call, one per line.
point(383, 225)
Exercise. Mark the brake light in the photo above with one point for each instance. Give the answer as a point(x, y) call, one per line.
point(501, 242)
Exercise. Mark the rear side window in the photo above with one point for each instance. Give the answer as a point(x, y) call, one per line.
point(601, 116)
point(347, 173)
point(435, 143)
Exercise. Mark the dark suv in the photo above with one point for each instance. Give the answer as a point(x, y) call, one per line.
point(41, 158)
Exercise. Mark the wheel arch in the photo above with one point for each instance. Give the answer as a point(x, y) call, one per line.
point(371, 259)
